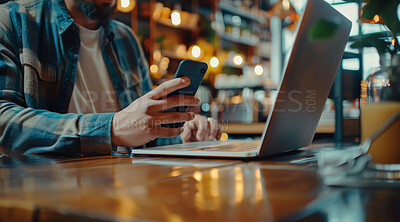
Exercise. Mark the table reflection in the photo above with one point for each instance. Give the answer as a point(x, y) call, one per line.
point(183, 189)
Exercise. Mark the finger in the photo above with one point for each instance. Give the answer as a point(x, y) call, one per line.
point(165, 132)
point(202, 129)
point(176, 100)
point(193, 138)
point(173, 117)
point(193, 129)
point(214, 126)
point(219, 133)
point(192, 125)
point(168, 87)
point(187, 133)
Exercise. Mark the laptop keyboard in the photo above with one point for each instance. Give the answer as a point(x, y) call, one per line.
point(230, 147)
point(213, 146)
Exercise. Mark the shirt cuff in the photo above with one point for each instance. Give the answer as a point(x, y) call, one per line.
point(95, 134)
point(168, 141)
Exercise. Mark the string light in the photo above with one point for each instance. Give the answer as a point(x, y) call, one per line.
point(286, 4)
point(165, 60)
point(196, 51)
point(214, 62)
point(224, 136)
point(258, 70)
point(125, 5)
point(238, 60)
point(176, 18)
point(376, 19)
point(153, 68)
point(157, 55)
point(164, 63)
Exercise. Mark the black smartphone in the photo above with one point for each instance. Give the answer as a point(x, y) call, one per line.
point(195, 71)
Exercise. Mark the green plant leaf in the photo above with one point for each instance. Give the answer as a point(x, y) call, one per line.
point(389, 15)
point(373, 40)
point(324, 29)
point(387, 9)
point(159, 39)
point(369, 12)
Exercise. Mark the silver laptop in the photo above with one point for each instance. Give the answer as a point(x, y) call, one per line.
point(304, 88)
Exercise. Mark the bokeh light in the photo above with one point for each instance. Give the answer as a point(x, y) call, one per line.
point(176, 18)
point(214, 62)
point(258, 70)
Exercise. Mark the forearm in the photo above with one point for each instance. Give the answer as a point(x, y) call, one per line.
point(31, 131)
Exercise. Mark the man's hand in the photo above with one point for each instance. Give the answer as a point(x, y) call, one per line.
point(201, 128)
point(141, 121)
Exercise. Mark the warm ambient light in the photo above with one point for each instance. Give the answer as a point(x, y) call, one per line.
point(157, 55)
point(165, 60)
point(164, 63)
point(164, 66)
point(176, 18)
point(125, 5)
point(196, 51)
point(238, 60)
point(376, 19)
point(236, 99)
point(258, 70)
point(224, 136)
point(153, 68)
point(180, 51)
point(286, 4)
point(214, 62)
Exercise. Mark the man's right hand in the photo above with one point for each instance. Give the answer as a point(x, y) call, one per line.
point(141, 121)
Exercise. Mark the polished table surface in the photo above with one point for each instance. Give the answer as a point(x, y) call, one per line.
point(126, 188)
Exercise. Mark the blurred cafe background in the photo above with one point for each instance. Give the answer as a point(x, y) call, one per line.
point(245, 44)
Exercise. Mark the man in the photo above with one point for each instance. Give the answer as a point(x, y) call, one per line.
point(67, 70)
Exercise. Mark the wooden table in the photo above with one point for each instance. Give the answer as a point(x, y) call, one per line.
point(126, 188)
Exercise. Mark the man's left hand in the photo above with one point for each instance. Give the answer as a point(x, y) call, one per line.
point(201, 128)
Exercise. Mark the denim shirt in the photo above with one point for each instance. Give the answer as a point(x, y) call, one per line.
point(39, 51)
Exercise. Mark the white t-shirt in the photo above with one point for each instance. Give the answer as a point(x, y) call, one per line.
point(93, 91)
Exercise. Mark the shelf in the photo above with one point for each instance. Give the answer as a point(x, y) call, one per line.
point(241, 88)
point(239, 40)
point(265, 85)
point(172, 55)
point(240, 12)
point(357, 37)
point(351, 55)
point(231, 65)
point(168, 23)
point(265, 57)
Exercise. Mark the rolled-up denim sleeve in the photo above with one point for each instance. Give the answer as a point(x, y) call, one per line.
point(25, 130)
